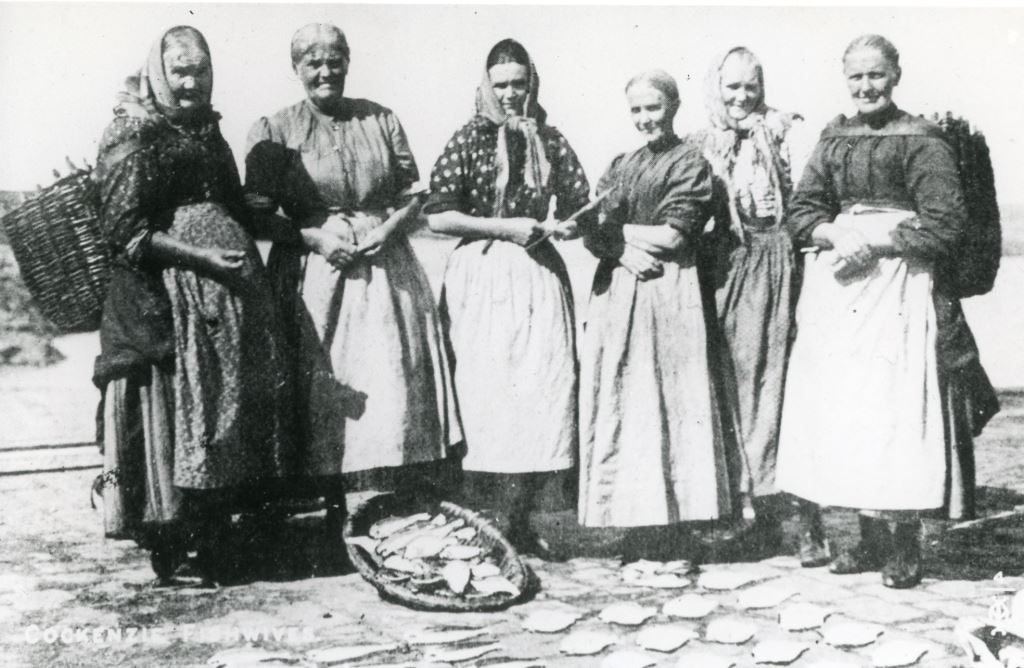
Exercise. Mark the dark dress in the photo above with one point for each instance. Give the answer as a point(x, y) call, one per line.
point(652, 449)
point(896, 162)
point(191, 372)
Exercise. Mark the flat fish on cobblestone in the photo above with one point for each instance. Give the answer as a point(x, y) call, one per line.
point(435, 637)
point(897, 653)
point(727, 580)
point(549, 621)
point(665, 637)
point(349, 653)
point(462, 654)
point(662, 581)
point(512, 663)
point(705, 660)
point(230, 658)
point(628, 659)
point(850, 634)
point(627, 614)
point(802, 616)
point(690, 606)
point(779, 652)
point(730, 631)
point(764, 596)
point(586, 643)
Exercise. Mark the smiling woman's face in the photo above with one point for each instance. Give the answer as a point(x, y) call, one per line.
point(651, 111)
point(870, 77)
point(323, 69)
point(189, 75)
point(511, 83)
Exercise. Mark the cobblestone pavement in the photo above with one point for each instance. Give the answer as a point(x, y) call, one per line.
point(57, 574)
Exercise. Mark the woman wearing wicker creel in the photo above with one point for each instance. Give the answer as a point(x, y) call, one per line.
point(757, 153)
point(507, 299)
point(190, 367)
point(653, 451)
point(376, 401)
point(885, 390)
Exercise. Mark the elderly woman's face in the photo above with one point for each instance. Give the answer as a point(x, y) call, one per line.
point(189, 75)
point(740, 87)
point(870, 78)
point(322, 70)
point(651, 111)
point(511, 83)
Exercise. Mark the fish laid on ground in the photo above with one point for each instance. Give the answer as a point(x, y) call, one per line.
point(627, 613)
point(512, 663)
point(549, 621)
point(628, 659)
point(850, 634)
point(463, 654)
point(662, 581)
point(730, 631)
point(391, 525)
point(896, 653)
point(430, 637)
point(349, 653)
point(690, 606)
point(802, 616)
point(705, 660)
point(665, 637)
point(456, 574)
point(679, 566)
point(485, 570)
point(495, 584)
point(586, 643)
point(779, 652)
point(233, 657)
point(461, 552)
point(764, 596)
point(727, 580)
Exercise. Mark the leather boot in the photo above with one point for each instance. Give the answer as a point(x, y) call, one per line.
point(903, 569)
point(814, 548)
point(870, 553)
point(765, 537)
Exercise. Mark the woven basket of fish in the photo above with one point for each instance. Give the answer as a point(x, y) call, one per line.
point(440, 557)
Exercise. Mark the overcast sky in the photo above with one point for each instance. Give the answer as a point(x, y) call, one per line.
point(61, 64)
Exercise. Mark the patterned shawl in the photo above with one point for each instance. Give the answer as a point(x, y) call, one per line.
point(765, 126)
point(537, 168)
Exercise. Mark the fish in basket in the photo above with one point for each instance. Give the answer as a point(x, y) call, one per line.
point(440, 557)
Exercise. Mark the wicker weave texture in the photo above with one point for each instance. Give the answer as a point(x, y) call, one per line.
point(488, 537)
point(56, 241)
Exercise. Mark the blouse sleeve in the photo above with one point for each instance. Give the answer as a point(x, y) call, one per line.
point(406, 172)
point(447, 178)
point(275, 172)
point(604, 237)
point(572, 191)
point(688, 193)
point(129, 190)
point(799, 145)
point(933, 181)
point(814, 201)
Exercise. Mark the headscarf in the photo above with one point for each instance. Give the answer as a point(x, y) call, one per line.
point(765, 126)
point(537, 168)
point(148, 94)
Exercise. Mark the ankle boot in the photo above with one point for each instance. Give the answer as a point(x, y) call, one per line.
point(814, 549)
point(870, 553)
point(766, 534)
point(903, 569)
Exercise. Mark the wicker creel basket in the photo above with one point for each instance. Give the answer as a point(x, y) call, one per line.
point(56, 241)
point(487, 537)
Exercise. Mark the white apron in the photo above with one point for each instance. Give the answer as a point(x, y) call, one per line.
point(862, 417)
